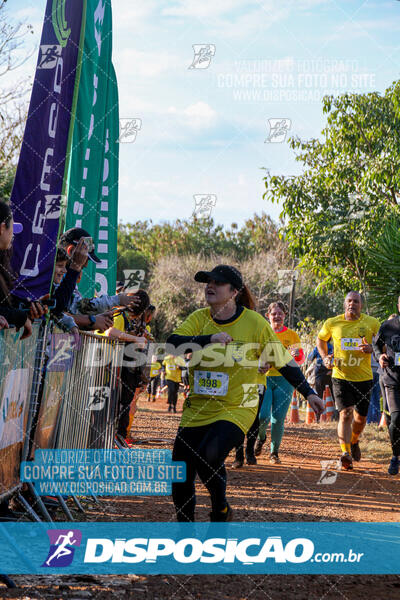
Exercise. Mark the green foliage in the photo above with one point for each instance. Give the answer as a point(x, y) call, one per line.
point(384, 270)
point(6, 182)
point(199, 236)
point(335, 209)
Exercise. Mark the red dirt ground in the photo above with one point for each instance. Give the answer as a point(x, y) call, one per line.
point(285, 492)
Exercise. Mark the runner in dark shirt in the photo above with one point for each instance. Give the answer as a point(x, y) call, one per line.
point(387, 351)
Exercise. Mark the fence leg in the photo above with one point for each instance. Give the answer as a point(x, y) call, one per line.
point(28, 508)
point(7, 581)
point(40, 503)
point(65, 508)
point(97, 501)
point(120, 442)
point(78, 504)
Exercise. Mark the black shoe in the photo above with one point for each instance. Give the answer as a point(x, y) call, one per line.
point(222, 517)
point(251, 460)
point(394, 466)
point(258, 447)
point(238, 464)
point(356, 452)
point(346, 461)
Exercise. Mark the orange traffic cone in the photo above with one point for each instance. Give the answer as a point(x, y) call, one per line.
point(329, 406)
point(323, 416)
point(294, 410)
point(382, 422)
point(310, 415)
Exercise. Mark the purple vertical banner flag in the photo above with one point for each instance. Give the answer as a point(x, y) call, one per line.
point(41, 178)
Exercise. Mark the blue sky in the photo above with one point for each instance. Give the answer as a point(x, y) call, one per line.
point(204, 131)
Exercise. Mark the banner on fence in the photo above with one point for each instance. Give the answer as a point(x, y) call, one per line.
point(16, 375)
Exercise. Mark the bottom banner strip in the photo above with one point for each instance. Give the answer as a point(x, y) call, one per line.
point(199, 548)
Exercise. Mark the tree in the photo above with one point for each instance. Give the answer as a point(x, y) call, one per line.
point(13, 105)
point(145, 241)
point(350, 184)
point(384, 270)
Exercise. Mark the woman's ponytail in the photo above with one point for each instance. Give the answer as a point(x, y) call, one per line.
point(245, 298)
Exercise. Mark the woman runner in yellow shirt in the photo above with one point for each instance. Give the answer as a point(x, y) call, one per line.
point(230, 343)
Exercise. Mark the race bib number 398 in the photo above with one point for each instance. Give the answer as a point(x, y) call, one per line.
point(211, 383)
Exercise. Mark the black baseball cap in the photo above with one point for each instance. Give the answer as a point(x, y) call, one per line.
point(72, 236)
point(223, 274)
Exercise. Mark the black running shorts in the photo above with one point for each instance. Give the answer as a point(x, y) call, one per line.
point(352, 393)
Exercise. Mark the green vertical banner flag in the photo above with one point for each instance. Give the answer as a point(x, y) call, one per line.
point(93, 181)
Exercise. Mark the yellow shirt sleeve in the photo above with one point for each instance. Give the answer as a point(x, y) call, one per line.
point(377, 326)
point(192, 325)
point(119, 323)
point(325, 332)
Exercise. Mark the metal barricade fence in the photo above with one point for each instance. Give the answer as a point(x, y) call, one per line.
point(18, 370)
point(90, 384)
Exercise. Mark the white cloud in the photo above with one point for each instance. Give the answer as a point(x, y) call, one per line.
point(132, 63)
point(197, 116)
point(238, 18)
point(193, 8)
point(128, 15)
point(350, 30)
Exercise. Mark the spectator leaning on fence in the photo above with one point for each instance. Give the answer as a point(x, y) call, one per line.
point(91, 313)
point(125, 329)
point(14, 317)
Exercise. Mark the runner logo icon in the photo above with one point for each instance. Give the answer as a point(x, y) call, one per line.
point(61, 552)
point(203, 54)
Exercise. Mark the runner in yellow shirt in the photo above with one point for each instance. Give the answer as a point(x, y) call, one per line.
point(124, 329)
point(352, 379)
point(231, 343)
point(173, 378)
point(155, 374)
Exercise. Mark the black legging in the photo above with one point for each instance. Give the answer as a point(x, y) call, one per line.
point(204, 450)
point(393, 402)
point(173, 387)
point(153, 385)
point(252, 434)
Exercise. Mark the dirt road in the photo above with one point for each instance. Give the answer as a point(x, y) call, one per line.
point(291, 491)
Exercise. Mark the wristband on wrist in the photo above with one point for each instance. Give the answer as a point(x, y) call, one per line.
point(92, 320)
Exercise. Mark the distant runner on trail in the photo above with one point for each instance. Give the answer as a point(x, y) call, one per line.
point(230, 343)
point(352, 380)
point(387, 352)
point(279, 391)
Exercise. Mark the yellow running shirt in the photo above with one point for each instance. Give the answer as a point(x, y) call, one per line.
point(349, 363)
point(224, 379)
point(172, 370)
point(155, 369)
point(289, 338)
